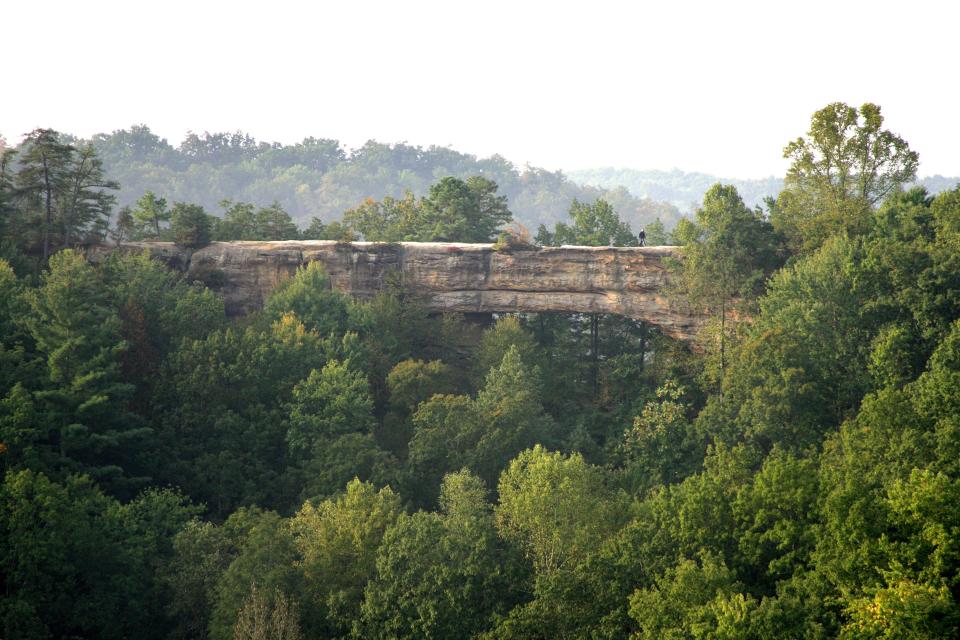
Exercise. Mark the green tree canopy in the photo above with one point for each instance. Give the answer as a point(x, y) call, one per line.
point(190, 225)
point(593, 225)
point(845, 166)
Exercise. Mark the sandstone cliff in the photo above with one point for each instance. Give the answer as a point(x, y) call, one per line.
point(450, 276)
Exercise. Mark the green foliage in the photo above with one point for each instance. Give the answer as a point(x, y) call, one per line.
point(776, 516)
point(220, 406)
point(482, 434)
point(593, 225)
point(801, 481)
point(190, 225)
point(846, 165)
point(330, 402)
point(157, 310)
point(387, 220)
point(308, 295)
point(506, 334)
point(729, 251)
point(463, 211)
point(336, 230)
point(77, 564)
point(62, 190)
point(414, 381)
point(904, 610)
point(241, 221)
point(454, 210)
point(42, 179)
point(11, 222)
point(202, 552)
point(803, 367)
point(335, 461)
point(78, 331)
point(266, 559)
point(556, 508)
point(441, 575)
point(148, 216)
point(663, 447)
point(694, 600)
point(337, 542)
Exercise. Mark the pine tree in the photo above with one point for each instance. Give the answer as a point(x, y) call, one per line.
point(45, 166)
point(7, 209)
point(76, 327)
point(124, 228)
point(86, 202)
point(273, 223)
point(149, 213)
point(190, 225)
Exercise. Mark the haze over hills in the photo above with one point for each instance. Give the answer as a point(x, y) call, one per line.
point(685, 189)
point(322, 178)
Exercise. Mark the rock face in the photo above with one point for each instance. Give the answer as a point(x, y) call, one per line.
point(626, 281)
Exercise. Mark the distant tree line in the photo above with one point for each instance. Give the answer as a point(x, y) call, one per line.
point(319, 178)
point(685, 189)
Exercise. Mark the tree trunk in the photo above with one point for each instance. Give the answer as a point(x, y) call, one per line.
point(49, 210)
point(723, 343)
point(594, 356)
point(644, 331)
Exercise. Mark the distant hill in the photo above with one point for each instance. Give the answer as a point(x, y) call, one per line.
point(321, 178)
point(685, 190)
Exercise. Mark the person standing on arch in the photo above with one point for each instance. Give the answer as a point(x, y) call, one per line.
point(643, 237)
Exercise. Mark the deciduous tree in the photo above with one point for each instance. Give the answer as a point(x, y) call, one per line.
point(845, 166)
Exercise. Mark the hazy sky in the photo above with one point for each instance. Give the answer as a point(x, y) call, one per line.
point(708, 86)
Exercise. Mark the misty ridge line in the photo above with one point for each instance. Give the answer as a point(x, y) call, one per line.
point(322, 178)
point(685, 189)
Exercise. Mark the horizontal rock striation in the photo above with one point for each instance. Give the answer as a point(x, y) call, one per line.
point(628, 281)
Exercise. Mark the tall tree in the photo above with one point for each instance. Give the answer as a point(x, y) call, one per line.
point(87, 200)
point(329, 403)
point(191, 225)
point(7, 209)
point(239, 222)
point(462, 211)
point(76, 327)
point(337, 542)
point(452, 432)
point(45, 166)
point(727, 260)
point(124, 227)
point(593, 225)
point(274, 223)
point(151, 211)
point(845, 166)
point(556, 508)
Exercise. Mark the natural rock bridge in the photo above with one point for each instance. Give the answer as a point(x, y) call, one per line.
point(627, 281)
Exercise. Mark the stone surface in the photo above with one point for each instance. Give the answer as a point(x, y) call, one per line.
point(626, 281)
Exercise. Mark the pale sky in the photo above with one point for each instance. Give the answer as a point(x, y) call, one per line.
point(708, 86)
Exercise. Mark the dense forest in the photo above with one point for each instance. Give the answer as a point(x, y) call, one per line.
point(319, 178)
point(337, 468)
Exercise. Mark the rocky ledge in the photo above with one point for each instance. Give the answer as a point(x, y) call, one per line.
point(627, 281)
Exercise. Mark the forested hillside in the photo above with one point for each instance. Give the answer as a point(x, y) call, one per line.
point(336, 468)
point(321, 178)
